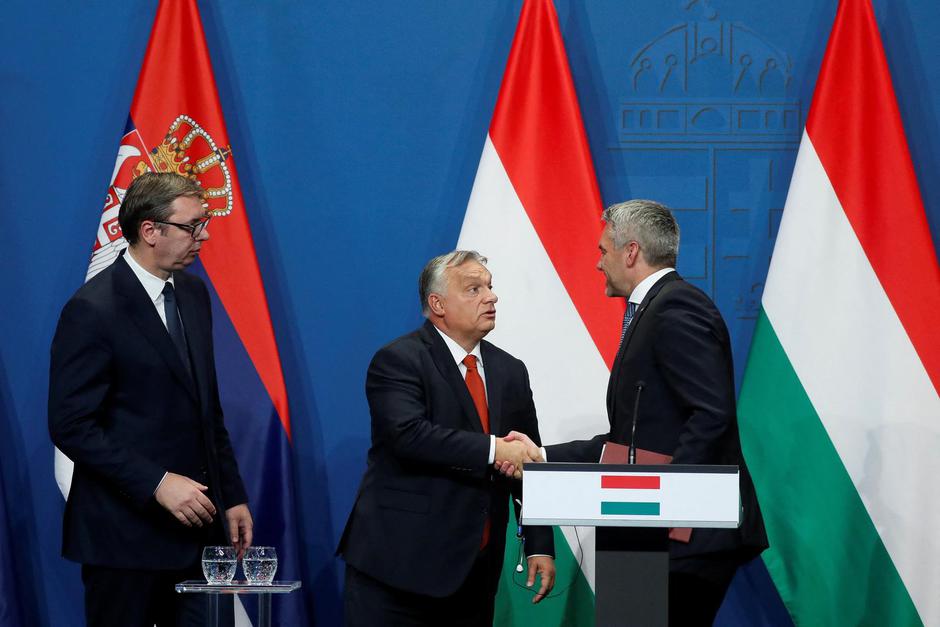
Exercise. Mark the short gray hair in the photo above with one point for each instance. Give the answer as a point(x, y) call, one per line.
point(648, 223)
point(432, 277)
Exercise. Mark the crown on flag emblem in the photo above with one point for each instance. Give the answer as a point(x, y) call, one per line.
point(185, 135)
point(187, 149)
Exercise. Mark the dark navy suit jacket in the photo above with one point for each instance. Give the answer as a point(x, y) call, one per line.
point(427, 490)
point(123, 407)
point(678, 346)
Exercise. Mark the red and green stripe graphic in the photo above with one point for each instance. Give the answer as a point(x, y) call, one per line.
point(630, 508)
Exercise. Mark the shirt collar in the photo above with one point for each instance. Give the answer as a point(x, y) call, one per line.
point(152, 283)
point(643, 287)
point(457, 351)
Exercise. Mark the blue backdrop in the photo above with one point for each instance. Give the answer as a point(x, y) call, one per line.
point(357, 128)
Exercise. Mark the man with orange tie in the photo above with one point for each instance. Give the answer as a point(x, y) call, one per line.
point(424, 543)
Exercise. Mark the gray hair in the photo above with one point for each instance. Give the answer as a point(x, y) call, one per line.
point(649, 224)
point(432, 277)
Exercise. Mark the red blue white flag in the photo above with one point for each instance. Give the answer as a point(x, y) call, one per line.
point(176, 125)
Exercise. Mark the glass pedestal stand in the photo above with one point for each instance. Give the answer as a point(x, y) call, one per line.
point(264, 592)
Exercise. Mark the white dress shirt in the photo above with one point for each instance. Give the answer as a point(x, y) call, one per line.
point(643, 287)
point(152, 283)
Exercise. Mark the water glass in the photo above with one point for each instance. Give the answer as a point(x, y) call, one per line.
point(260, 564)
point(218, 564)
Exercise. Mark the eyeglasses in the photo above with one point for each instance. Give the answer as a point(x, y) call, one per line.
point(195, 230)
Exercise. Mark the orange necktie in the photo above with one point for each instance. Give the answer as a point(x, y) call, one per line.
point(477, 391)
point(478, 394)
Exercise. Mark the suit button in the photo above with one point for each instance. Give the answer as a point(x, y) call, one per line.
point(486, 511)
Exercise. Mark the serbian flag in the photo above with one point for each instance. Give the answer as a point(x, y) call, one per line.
point(839, 409)
point(176, 125)
point(535, 212)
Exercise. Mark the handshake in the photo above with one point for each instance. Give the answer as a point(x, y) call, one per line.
point(514, 450)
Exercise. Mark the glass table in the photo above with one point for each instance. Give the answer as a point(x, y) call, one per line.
point(264, 592)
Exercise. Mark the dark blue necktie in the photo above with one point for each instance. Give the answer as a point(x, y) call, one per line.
point(627, 319)
point(174, 325)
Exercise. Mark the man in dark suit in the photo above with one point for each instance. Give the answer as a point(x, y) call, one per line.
point(676, 345)
point(133, 401)
point(424, 543)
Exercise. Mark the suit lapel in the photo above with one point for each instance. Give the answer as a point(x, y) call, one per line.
point(446, 365)
point(138, 308)
point(495, 377)
point(638, 316)
point(634, 328)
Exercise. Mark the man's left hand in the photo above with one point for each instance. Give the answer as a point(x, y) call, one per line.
point(240, 526)
point(544, 565)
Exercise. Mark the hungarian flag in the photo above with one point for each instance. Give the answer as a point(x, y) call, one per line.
point(839, 409)
point(176, 125)
point(535, 213)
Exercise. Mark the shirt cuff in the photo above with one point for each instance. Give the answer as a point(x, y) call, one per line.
point(544, 454)
point(160, 484)
point(528, 557)
point(492, 450)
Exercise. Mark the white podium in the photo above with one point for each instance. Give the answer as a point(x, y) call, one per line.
point(633, 507)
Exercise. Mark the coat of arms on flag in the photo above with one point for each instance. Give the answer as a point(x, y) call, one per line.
point(187, 149)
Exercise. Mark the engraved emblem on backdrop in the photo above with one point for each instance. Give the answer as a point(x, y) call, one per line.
point(709, 123)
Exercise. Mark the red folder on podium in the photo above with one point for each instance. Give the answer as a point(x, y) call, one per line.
point(614, 453)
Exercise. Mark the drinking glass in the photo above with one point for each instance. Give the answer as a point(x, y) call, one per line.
point(259, 564)
point(218, 564)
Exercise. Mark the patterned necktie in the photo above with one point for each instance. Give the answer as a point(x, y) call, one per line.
point(174, 325)
point(627, 319)
point(478, 394)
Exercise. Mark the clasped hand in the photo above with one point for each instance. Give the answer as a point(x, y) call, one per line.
point(514, 450)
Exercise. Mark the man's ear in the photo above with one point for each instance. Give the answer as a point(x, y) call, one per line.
point(436, 304)
point(148, 232)
point(633, 254)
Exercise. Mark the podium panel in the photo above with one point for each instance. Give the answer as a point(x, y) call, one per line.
point(632, 505)
point(614, 495)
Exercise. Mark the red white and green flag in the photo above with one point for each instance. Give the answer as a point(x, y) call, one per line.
point(839, 408)
point(535, 212)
